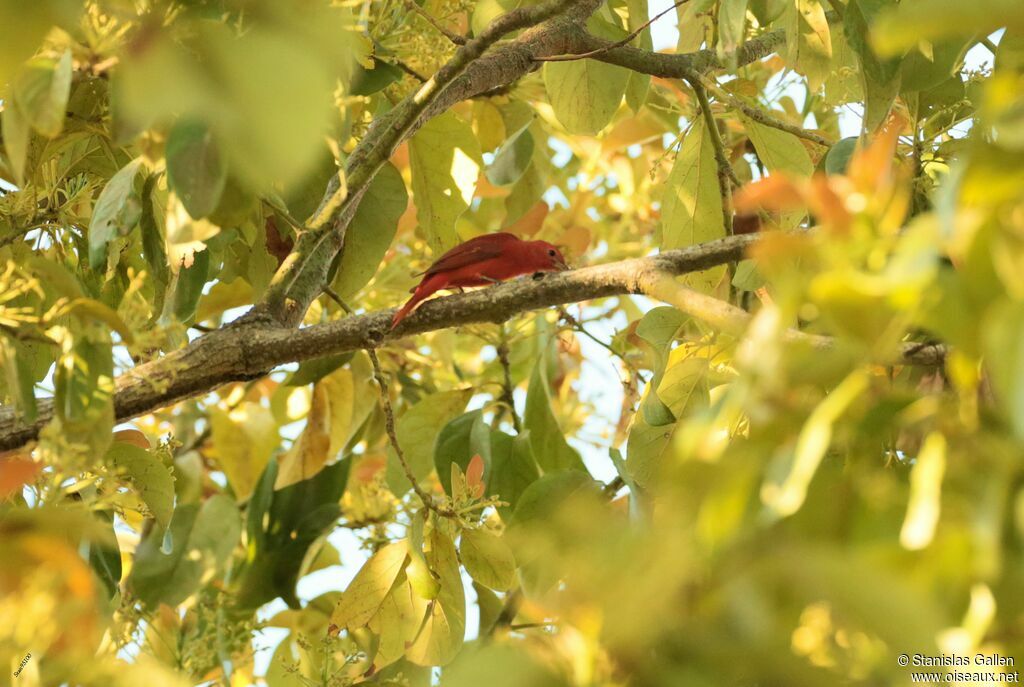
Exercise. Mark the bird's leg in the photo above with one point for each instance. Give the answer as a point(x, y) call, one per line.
point(484, 277)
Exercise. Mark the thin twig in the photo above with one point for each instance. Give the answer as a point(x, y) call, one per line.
point(725, 171)
point(508, 611)
point(838, 8)
point(762, 117)
point(577, 326)
point(613, 487)
point(450, 35)
point(617, 44)
point(506, 366)
point(409, 70)
point(389, 427)
point(389, 421)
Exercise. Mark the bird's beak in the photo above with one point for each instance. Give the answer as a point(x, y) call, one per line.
point(561, 265)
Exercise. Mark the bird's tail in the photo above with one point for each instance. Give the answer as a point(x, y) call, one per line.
point(419, 294)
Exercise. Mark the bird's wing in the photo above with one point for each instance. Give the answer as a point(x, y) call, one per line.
point(475, 250)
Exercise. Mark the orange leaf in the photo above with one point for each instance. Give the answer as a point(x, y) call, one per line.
point(827, 205)
point(15, 473)
point(133, 437)
point(485, 189)
point(871, 166)
point(531, 222)
point(475, 475)
point(576, 240)
point(777, 192)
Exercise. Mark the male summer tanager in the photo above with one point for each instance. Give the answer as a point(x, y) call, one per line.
point(483, 260)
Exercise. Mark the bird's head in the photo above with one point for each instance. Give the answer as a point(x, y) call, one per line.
point(548, 257)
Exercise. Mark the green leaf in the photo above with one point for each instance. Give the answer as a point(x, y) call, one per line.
point(512, 158)
point(1004, 356)
point(33, 20)
point(502, 665)
point(418, 430)
point(16, 130)
point(444, 630)
point(513, 469)
point(84, 388)
point(189, 286)
point(546, 438)
point(153, 241)
point(19, 377)
point(312, 371)
point(195, 169)
point(453, 446)
point(838, 157)
point(117, 211)
point(281, 527)
point(488, 559)
point(200, 540)
point(919, 72)
point(683, 387)
point(445, 160)
point(638, 85)
point(881, 77)
point(808, 41)
point(732, 16)
point(543, 498)
point(843, 83)
point(371, 231)
point(658, 328)
point(691, 208)
point(780, 151)
point(369, 81)
point(149, 477)
point(265, 92)
point(585, 94)
point(105, 556)
point(785, 489)
point(747, 277)
point(42, 91)
point(905, 25)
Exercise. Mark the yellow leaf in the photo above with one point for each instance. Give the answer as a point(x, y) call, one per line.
point(310, 452)
point(364, 596)
point(488, 559)
point(443, 632)
point(925, 494)
point(243, 441)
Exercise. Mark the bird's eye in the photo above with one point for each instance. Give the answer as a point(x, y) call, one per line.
point(552, 252)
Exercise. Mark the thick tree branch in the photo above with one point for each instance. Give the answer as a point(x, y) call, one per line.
point(303, 274)
point(247, 350)
point(726, 317)
point(264, 338)
point(676, 66)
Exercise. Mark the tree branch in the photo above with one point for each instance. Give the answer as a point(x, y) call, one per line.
point(247, 350)
point(450, 35)
point(762, 117)
point(726, 176)
point(728, 318)
point(623, 41)
point(676, 66)
point(303, 273)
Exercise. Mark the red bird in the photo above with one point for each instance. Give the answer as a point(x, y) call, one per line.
point(484, 260)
